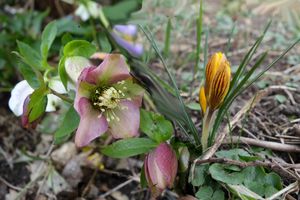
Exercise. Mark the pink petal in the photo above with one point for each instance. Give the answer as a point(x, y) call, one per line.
point(111, 70)
point(84, 86)
point(91, 125)
point(166, 160)
point(129, 120)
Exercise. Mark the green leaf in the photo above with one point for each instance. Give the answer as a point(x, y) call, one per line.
point(219, 173)
point(62, 72)
point(205, 193)
point(120, 12)
point(30, 56)
point(48, 37)
point(218, 195)
point(37, 103)
point(155, 126)
point(194, 106)
point(167, 38)
point(29, 75)
point(274, 180)
point(79, 48)
point(129, 147)
point(244, 193)
point(104, 42)
point(280, 98)
point(200, 173)
point(143, 178)
point(232, 154)
point(68, 126)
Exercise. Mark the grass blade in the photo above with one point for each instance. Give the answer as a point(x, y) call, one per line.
point(167, 38)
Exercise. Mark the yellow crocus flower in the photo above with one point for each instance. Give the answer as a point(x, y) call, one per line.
point(212, 94)
point(217, 82)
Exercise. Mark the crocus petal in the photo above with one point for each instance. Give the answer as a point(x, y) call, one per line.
point(111, 70)
point(214, 64)
point(202, 100)
point(18, 96)
point(74, 66)
point(91, 125)
point(126, 29)
point(129, 120)
point(219, 86)
point(135, 49)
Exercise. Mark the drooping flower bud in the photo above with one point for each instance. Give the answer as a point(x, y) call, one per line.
point(161, 168)
point(25, 116)
point(217, 81)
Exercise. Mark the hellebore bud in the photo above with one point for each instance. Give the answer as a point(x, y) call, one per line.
point(161, 168)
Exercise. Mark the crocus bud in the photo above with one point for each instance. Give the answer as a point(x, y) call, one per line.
point(217, 80)
point(160, 168)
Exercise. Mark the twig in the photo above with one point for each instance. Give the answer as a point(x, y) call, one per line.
point(287, 189)
point(10, 185)
point(266, 144)
point(116, 188)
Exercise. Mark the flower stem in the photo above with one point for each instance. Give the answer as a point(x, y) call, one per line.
point(206, 128)
point(63, 97)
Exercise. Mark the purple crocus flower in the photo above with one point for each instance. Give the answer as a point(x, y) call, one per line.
point(125, 36)
point(161, 168)
point(107, 100)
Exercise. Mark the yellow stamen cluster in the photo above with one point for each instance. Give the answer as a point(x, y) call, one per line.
point(216, 83)
point(106, 99)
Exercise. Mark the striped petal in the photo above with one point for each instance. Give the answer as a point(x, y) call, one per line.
point(220, 86)
point(202, 99)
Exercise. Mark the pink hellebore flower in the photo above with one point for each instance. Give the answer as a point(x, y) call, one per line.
point(107, 99)
point(161, 168)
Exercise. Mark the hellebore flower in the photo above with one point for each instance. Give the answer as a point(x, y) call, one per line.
point(212, 95)
point(217, 82)
point(22, 90)
point(88, 9)
point(107, 99)
point(125, 36)
point(160, 168)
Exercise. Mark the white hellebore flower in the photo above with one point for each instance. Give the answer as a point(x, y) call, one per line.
point(91, 8)
point(23, 89)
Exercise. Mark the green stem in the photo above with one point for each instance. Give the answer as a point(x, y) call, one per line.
point(206, 128)
point(63, 97)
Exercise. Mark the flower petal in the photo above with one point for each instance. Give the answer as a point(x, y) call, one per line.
point(131, 90)
point(84, 86)
point(166, 161)
point(113, 69)
point(129, 120)
point(135, 49)
point(202, 100)
point(214, 64)
point(18, 96)
point(130, 29)
point(74, 66)
point(91, 124)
